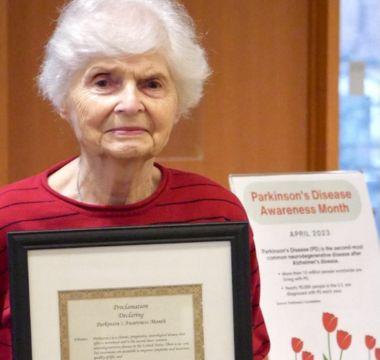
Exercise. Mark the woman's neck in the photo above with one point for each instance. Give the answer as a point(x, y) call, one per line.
point(106, 181)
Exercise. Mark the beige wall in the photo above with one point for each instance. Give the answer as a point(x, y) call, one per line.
point(3, 93)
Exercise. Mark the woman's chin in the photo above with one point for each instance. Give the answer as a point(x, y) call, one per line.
point(128, 152)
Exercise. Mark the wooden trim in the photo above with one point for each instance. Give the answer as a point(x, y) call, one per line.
point(4, 151)
point(323, 117)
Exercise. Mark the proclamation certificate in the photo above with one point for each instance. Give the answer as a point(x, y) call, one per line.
point(155, 323)
point(168, 292)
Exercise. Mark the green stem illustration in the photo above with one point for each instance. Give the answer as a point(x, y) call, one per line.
point(328, 342)
point(341, 355)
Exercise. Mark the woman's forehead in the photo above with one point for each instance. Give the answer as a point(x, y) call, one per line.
point(138, 64)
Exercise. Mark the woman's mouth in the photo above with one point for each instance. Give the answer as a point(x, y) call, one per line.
point(127, 131)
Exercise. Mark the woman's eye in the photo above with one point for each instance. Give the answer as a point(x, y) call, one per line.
point(104, 82)
point(152, 84)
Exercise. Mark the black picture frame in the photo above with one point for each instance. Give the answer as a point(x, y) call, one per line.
point(20, 244)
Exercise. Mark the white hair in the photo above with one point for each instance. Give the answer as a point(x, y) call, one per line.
point(88, 29)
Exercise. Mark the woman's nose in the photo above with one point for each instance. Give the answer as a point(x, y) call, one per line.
point(129, 101)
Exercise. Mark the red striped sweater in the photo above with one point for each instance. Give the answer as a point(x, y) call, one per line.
point(181, 197)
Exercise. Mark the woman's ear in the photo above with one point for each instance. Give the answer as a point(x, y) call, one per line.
point(176, 119)
point(63, 112)
point(177, 116)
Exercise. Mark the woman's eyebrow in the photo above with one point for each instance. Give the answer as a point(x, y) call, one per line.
point(154, 75)
point(101, 69)
point(151, 70)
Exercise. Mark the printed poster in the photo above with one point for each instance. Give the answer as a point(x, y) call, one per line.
point(319, 259)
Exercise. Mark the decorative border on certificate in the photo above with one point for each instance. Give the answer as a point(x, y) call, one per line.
point(160, 322)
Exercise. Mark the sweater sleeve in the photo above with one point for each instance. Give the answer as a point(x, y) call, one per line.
point(5, 326)
point(260, 338)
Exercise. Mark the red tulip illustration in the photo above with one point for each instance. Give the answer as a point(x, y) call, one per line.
point(307, 355)
point(370, 342)
point(330, 322)
point(377, 353)
point(297, 345)
point(343, 339)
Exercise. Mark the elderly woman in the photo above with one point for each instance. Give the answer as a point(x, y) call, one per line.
point(121, 73)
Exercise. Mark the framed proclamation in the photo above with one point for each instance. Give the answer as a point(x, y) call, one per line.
point(173, 292)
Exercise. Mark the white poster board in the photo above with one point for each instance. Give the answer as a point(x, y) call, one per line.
point(319, 260)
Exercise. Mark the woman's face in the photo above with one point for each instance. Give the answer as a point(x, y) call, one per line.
point(123, 107)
